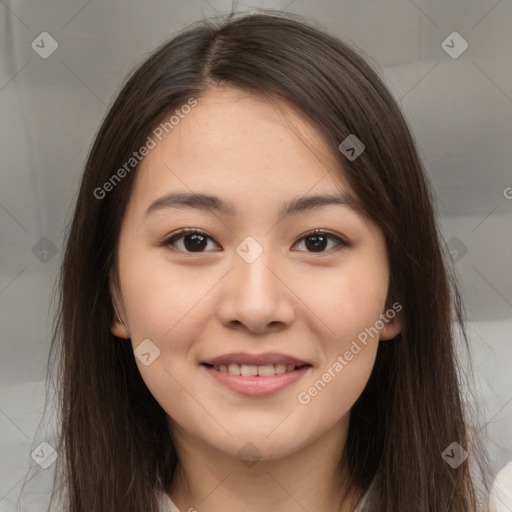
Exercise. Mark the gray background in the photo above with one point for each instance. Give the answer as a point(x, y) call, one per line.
point(459, 109)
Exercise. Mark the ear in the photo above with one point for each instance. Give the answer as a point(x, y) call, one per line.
point(118, 326)
point(393, 320)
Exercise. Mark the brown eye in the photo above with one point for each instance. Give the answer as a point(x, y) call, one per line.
point(189, 241)
point(318, 241)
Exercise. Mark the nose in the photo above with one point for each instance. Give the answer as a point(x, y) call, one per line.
point(256, 296)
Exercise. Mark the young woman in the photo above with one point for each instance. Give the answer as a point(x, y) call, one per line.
point(255, 310)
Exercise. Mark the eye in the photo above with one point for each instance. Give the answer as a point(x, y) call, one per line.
point(188, 240)
point(194, 240)
point(318, 241)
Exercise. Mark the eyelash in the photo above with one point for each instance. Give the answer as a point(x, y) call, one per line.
point(168, 242)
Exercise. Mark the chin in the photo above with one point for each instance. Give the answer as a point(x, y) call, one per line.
point(261, 446)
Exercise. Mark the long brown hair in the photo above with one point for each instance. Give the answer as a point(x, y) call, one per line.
point(116, 449)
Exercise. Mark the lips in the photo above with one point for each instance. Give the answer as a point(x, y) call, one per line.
point(256, 385)
point(256, 374)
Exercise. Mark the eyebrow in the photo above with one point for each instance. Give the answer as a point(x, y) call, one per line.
point(208, 202)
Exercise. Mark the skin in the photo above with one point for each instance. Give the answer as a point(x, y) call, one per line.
point(193, 306)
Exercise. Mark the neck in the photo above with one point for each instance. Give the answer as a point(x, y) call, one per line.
point(314, 477)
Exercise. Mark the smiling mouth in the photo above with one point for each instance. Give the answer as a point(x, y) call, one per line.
point(251, 370)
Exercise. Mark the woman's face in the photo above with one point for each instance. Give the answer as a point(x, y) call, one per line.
point(254, 283)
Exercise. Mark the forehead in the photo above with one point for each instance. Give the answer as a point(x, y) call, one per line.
point(239, 144)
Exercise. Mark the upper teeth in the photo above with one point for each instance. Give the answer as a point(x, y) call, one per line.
point(248, 370)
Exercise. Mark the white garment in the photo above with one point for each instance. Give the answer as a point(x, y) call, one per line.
point(167, 505)
point(500, 499)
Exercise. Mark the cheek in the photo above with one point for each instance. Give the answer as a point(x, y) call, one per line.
point(164, 306)
point(347, 301)
point(350, 305)
point(338, 385)
point(159, 296)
